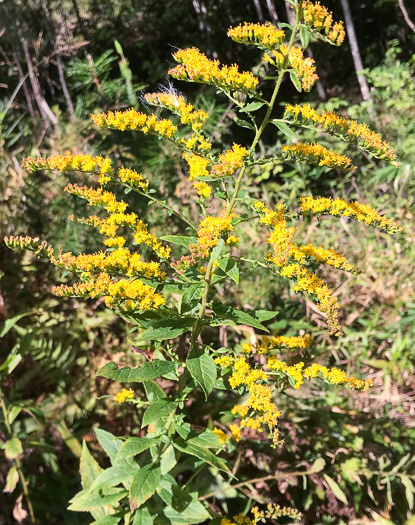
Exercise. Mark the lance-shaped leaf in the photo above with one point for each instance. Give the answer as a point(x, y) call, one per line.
point(203, 370)
point(157, 410)
point(134, 446)
point(201, 453)
point(144, 485)
point(166, 329)
point(144, 372)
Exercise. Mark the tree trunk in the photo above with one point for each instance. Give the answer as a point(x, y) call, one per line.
point(65, 88)
point(43, 106)
point(24, 85)
point(354, 46)
point(272, 12)
point(406, 16)
point(259, 10)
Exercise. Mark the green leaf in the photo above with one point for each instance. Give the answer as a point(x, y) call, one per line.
point(217, 250)
point(317, 466)
point(84, 501)
point(134, 446)
point(265, 315)
point(243, 123)
point(144, 485)
point(337, 491)
point(9, 323)
point(253, 106)
point(305, 37)
point(143, 517)
point(154, 391)
point(195, 512)
point(296, 81)
point(109, 443)
point(230, 267)
point(168, 460)
point(183, 240)
point(89, 468)
point(144, 372)
point(157, 410)
point(112, 519)
point(13, 448)
point(11, 480)
point(230, 315)
point(409, 491)
point(201, 453)
point(10, 364)
point(166, 329)
point(113, 476)
point(207, 439)
point(203, 370)
point(284, 128)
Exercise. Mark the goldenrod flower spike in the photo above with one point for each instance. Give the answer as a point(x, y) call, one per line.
point(132, 294)
point(177, 104)
point(264, 36)
point(194, 66)
point(131, 119)
point(229, 161)
point(33, 244)
point(211, 230)
point(319, 19)
point(124, 395)
point(350, 130)
point(304, 67)
point(318, 155)
point(70, 162)
point(355, 210)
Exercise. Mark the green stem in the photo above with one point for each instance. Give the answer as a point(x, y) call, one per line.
point(208, 277)
point(17, 461)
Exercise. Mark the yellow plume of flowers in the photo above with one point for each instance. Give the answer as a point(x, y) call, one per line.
point(280, 341)
point(70, 162)
point(304, 67)
point(177, 104)
point(229, 161)
point(264, 36)
point(319, 18)
point(350, 130)
point(210, 231)
point(203, 189)
point(194, 66)
point(120, 261)
point(132, 294)
point(117, 217)
point(355, 210)
point(131, 119)
point(318, 155)
point(197, 165)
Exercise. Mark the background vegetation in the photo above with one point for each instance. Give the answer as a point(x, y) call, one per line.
point(60, 61)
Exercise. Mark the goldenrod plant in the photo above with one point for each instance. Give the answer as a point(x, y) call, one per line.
point(172, 300)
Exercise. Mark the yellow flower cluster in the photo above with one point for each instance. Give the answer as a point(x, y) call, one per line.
point(177, 104)
point(284, 249)
point(33, 244)
point(120, 261)
point(318, 17)
point(197, 165)
point(318, 155)
point(260, 399)
point(133, 294)
point(294, 371)
point(210, 231)
point(340, 208)
point(229, 161)
point(131, 119)
point(69, 162)
point(133, 179)
point(124, 395)
point(274, 511)
point(203, 189)
point(309, 283)
point(265, 36)
point(326, 256)
point(194, 66)
point(304, 67)
point(239, 519)
point(336, 377)
point(269, 343)
point(350, 130)
point(117, 217)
